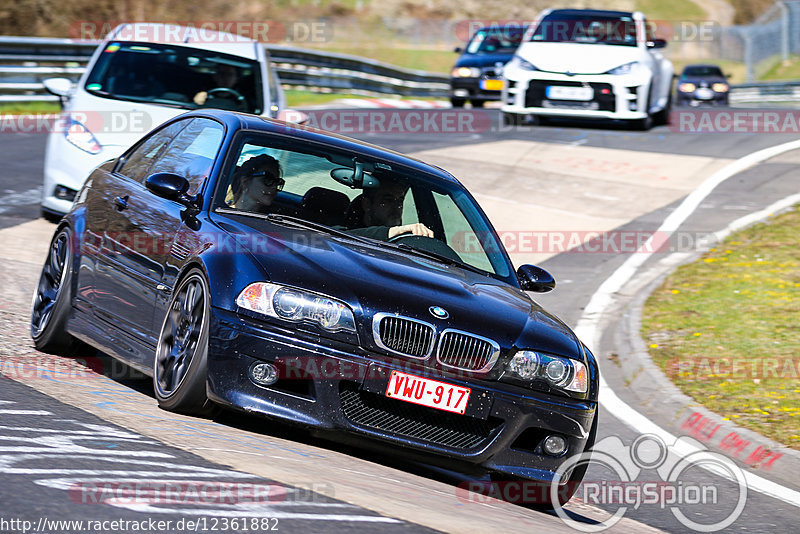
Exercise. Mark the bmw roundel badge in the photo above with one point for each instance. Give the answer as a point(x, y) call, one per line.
point(438, 312)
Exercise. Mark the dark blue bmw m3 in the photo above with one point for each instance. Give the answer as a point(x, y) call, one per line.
point(288, 272)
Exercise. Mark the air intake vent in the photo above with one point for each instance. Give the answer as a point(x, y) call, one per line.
point(402, 335)
point(403, 420)
point(467, 352)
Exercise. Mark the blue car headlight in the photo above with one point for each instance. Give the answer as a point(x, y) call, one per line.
point(466, 72)
point(296, 305)
point(80, 136)
point(563, 373)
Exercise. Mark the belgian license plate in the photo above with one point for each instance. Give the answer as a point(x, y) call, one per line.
point(492, 85)
point(427, 392)
point(559, 92)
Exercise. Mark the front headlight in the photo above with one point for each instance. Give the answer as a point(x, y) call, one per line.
point(296, 305)
point(686, 87)
point(466, 72)
point(520, 63)
point(80, 136)
point(720, 87)
point(627, 68)
point(564, 373)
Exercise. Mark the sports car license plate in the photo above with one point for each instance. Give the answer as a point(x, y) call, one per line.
point(558, 92)
point(427, 392)
point(492, 85)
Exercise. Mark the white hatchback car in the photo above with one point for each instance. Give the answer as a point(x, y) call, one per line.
point(589, 64)
point(141, 75)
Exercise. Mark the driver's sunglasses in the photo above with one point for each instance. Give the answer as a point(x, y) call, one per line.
point(269, 180)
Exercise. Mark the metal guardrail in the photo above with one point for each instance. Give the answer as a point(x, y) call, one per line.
point(26, 61)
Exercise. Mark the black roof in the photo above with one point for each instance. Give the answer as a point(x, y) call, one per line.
point(592, 12)
point(244, 121)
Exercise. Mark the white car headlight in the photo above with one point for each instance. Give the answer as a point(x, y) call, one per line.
point(564, 373)
point(627, 68)
point(296, 305)
point(520, 63)
point(80, 136)
point(466, 72)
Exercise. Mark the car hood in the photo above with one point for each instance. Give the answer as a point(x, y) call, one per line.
point(578, 58)
point(374, 279)
point(482, 60)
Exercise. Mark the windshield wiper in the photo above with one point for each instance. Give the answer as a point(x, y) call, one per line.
point(441, 258)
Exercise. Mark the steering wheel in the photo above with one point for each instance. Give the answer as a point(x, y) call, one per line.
point(226, 92)
point(430, 244)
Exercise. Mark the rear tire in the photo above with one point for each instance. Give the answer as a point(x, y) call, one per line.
point(180, 366)
point(457, 102)
point(53, 296)
point(477, 103)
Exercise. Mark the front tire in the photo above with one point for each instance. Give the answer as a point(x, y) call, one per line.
point(53, 296)
point(457, 102)
point(180, 367)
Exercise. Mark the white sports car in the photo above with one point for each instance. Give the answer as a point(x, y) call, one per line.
point(589, 64)
point(141, 75)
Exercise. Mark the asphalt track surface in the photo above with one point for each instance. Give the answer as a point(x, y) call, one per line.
point(31, 495)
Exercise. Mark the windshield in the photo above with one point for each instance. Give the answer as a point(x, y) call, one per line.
point(703, 70)
point(268, 178)
point(175, 75)
point(586, 28)
point(495, 41)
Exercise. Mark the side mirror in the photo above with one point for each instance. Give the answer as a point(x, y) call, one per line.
point(172, 187)
point(657, 43)
point(536, 279)
point(58, 86)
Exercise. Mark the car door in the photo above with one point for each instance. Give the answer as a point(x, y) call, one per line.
point(117, 288)
point(153, 222)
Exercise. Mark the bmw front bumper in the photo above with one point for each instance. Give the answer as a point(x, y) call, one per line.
point(340, 387)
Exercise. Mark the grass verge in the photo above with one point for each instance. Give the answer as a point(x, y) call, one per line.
point(725, 328)
point(20, 108)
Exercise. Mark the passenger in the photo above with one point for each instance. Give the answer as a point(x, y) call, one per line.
point(378, 213)
point(256, 183)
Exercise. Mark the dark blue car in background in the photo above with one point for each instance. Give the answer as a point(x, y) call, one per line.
point(302, 310)
point(477, 75)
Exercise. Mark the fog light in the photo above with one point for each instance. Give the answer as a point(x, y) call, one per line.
point(264, 374)
point(555, 445)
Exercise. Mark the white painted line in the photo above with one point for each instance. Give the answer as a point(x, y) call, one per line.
point(588, 326)
point(25, 412)
point(7, 402)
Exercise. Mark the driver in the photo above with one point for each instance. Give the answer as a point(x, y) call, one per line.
point(224, 77)
point(382, 213)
